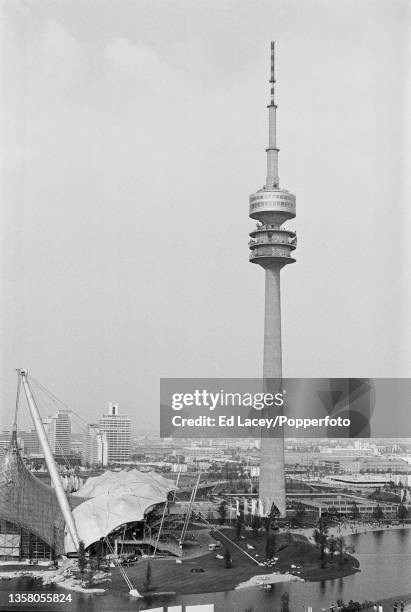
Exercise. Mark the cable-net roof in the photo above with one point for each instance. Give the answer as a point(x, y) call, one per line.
point(116, 498)
point(28, 502)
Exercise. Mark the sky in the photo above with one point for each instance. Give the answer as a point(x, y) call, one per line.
point(132, 135)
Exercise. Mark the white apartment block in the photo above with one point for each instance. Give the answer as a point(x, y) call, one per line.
point(118, 432)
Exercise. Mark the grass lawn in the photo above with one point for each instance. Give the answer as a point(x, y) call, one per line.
point(296, 550)
point(169, 576)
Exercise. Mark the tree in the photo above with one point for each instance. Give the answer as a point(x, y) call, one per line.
point(332, 546)
point(53, 556)
point(82, 561)
point(402, 512)
point(228, 558)
point(299, 515)
point(99, 554)
point(147, 580)
point(285, 602)
point(320, 538)
point(342, 548)
point(332, 512)
point(270, 521)
point(256, 524)
point(355, 512)
point(378, 513)
point(222, 511)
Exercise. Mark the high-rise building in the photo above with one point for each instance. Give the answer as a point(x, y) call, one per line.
point(118, 431)
point(96, 447)
point(271, 247)
point(58, 430)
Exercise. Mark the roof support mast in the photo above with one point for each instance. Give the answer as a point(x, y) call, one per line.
point(48, 456)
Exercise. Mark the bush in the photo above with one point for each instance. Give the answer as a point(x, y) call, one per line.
point(82, 561)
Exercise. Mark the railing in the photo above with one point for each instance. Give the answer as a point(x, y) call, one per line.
point(273, 242)
point(255, 255)
point(266, 226)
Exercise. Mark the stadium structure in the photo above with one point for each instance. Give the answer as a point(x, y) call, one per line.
point(119, 512)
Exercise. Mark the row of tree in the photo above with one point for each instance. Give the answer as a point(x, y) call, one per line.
point(331, 543)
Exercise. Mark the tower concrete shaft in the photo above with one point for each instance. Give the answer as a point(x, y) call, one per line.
point(272, 470)
point(271, 247)
point(272, 365)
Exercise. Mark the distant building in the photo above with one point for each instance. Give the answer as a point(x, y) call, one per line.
point(58, 431)
point(4, 441)
point(195, 453)
point(77, 448)
point(364, 481)
point(316, 504)
point(95, 447)
point(254, 471)
point(29, 442)
point(179, 467)
point(118, 431)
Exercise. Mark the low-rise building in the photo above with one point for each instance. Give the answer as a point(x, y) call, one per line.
point(316, 504)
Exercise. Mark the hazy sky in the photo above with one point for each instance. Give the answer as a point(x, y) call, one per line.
point(134, 132)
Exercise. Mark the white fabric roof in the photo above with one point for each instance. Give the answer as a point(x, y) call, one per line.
point(116, 498)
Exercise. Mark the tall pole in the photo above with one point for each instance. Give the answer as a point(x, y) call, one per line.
point(51, 464)
point(271, 247)
point(190, 508)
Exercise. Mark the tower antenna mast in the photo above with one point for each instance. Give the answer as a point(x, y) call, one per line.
point(273, 179)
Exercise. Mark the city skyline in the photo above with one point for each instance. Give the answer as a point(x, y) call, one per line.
point(153, 142)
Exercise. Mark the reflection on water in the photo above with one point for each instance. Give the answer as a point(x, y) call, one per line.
point(385, 558)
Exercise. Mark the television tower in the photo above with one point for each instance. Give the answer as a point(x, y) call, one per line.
point(271, 247)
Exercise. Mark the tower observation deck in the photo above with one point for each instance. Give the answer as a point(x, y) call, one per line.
point(272, 246)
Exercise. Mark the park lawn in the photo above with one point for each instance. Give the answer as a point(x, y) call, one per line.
point(167, 576)
point(295, 549)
